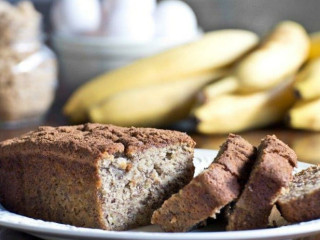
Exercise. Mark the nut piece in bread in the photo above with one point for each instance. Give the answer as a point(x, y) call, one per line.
point(94, 175)
point(271, 173)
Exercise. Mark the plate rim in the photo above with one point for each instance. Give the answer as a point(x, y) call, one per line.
point(294, 230)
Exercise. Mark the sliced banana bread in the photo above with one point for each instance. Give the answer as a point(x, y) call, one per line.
point(301, 202)
point(93, 175)
point(210, 191)
point(271, 173)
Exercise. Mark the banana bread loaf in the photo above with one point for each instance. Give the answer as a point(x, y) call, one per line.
point(93, 175)
point(301, 202)
point(210, 191)
point(271, 173)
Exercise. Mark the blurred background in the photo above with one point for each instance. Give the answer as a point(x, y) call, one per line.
point(257, 16)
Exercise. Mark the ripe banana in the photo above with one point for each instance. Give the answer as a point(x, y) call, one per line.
point(308, 85)
point(154, 105)
point(227, 84)
point(314, 45)
point(305, 115)
point(280, 56)
point(239, 112)
point(214, 50)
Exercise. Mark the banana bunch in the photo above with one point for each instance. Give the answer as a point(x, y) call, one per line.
point(259, 91)
point(159, 89)
point(152, 105)
point(225, 80)
point(237, 112)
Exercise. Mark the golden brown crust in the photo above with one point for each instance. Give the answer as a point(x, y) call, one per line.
point(96, 140)
point(42, 184)
point(271, 173)
point(238, 156)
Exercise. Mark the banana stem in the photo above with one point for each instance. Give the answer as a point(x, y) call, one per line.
point(223, 86)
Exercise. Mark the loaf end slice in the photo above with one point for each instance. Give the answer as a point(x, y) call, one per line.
point(94, 175)
point(210, 191)
point(270, 175)
point(301, 202)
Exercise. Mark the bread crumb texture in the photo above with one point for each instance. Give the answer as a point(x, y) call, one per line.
point(301, 202)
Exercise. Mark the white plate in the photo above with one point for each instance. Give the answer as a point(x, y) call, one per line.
point(50, 230)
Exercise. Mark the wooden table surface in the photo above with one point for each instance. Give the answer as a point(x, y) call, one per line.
point(306, 144)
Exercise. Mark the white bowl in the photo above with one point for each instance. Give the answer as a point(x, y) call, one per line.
point(84, 57)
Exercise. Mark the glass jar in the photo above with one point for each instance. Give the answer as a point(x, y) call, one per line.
point(28, 68)
point(27, 86)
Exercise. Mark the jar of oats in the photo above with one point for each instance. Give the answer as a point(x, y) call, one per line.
point(28, 69)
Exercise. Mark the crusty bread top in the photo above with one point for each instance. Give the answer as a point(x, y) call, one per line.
point(237, 155)
point(94, 140)
point(271, 144)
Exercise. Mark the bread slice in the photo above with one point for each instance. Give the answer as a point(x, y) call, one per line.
point(271, 173)
point(210, 191)
point(301, 202)
point(93, 175)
